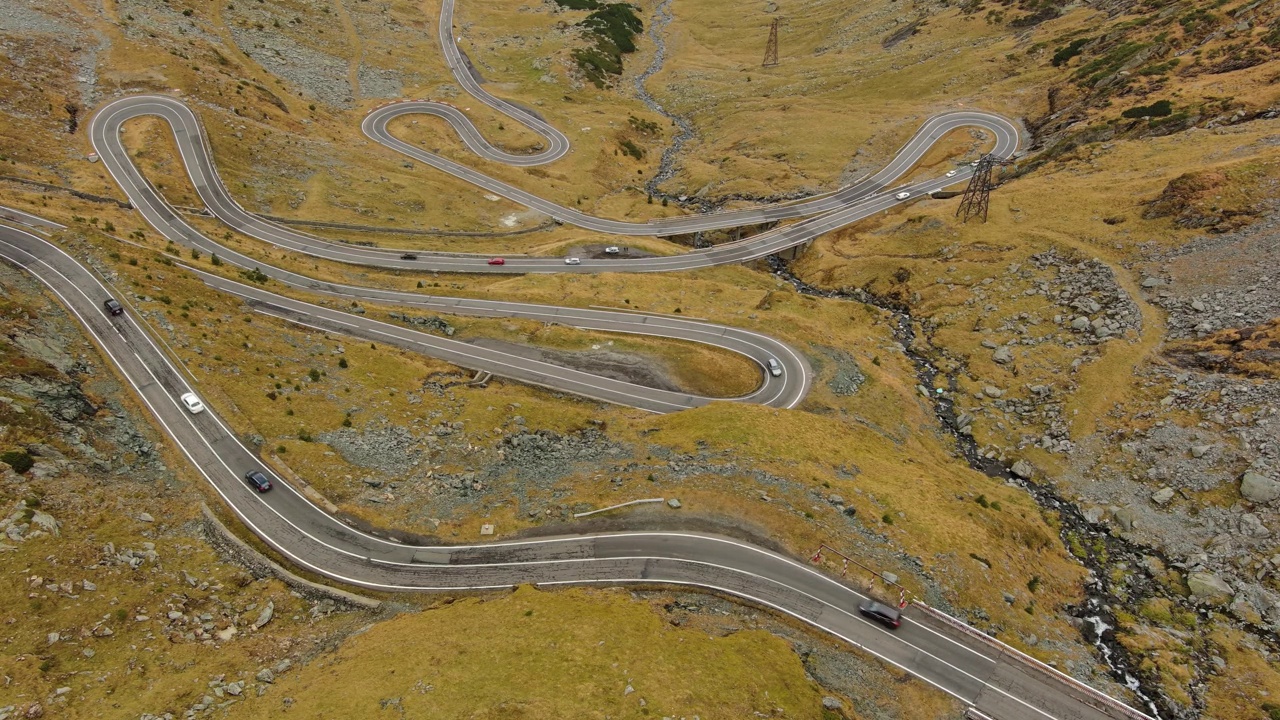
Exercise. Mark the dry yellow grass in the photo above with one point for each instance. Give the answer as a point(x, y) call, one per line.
point(513, 655)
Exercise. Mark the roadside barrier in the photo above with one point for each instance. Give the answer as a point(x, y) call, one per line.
point(1106, 703)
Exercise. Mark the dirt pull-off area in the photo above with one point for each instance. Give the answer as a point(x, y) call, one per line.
point(628, 367)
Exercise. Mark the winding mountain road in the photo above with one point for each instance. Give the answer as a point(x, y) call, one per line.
point(981, 673)
point(986, 676)
point(826, 213)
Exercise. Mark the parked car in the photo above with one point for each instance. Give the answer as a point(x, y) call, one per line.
point(883, 614)
point(903, 195)
point(192, 403)
point(258, 480)
point(572, 261)
point(952, 173)
point(612, 250)
point(113, 306)
point(775, 367)
point(408, 256)
point(497, 261)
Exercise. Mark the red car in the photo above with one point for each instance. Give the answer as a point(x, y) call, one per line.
point(497, 261)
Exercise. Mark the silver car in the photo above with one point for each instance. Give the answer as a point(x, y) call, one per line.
point(775, 368)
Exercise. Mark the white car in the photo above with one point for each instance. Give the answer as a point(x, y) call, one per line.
point(192, 403)
point(775, 368)
point(903, 195)
point(572, 261)
point(612, 250)
point(952, 173)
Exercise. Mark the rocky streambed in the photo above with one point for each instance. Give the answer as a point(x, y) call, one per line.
point(1103, 552)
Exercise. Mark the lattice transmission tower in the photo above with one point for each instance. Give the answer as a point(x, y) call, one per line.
point(771, 49)
point(978, 194)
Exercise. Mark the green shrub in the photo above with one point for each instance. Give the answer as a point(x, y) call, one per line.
point(632, 149)
point(648, 127)
point(1160, 108)
point(255, 275)
point(1064, 54)
point(20, 460)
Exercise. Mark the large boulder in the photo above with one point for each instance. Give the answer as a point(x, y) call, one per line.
point(1259, 488)
point(1209, 588)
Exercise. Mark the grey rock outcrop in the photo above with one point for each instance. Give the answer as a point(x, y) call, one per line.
point(1209, 588)
point(1259, 488)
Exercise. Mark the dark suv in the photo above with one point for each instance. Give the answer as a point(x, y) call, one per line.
point(113, 306)
point(258, 480)
point(882, 614)
point(408, 256)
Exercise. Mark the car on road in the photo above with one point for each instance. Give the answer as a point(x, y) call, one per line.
point(612, 250)
point(952, 173)
point(903, 195)
point(192, 403)
point(881, 613)
point(408, 256)
point(775, 367)
point(497, 261)
point(258, 480)
point(113, 306)
point(572, 261)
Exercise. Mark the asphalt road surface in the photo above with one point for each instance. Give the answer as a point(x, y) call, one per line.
point(973, 671)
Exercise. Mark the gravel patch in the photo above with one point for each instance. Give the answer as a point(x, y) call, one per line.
point(392, 449)
point(1219, 281)
point(319, 75)
point(1095, 307)
point(22, 17)
point(846, 377)
point(375, 83)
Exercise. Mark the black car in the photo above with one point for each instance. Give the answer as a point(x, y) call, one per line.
point(408, 256)
point(258, 480)
point(113, 306)
point(882, 614)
